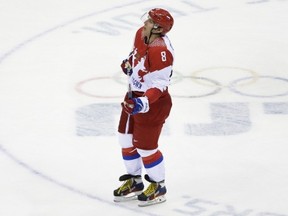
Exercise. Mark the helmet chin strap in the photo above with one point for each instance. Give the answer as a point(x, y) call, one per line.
point(147, 39)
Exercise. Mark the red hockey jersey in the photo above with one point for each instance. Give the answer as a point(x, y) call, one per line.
point(151, 64)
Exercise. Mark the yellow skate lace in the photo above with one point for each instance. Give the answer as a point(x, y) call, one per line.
point(126, 185)
point(151, 189)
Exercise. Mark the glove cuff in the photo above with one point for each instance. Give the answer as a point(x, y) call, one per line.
point(145, 103)
point(141, 105)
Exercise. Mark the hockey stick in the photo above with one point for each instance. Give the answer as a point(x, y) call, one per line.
point(129, 73)
point(129, 92)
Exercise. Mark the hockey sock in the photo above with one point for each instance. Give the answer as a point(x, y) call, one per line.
point(132, 160)
point(154, 165)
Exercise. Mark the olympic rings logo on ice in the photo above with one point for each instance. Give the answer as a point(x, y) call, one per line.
point(200, 83)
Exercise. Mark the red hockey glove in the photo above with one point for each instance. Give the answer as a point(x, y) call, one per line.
point(136, 105)
point(126, 66)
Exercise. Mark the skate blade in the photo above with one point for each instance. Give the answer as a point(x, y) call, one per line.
point(155, 201)
point(129, 197)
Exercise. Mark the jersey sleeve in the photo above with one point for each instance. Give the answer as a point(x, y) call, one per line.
point(153, 94)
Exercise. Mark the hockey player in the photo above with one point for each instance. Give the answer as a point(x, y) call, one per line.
point(145, 109)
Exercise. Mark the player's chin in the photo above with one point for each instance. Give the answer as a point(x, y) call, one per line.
point(145, 33)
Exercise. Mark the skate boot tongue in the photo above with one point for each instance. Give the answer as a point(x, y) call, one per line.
point(128, 176)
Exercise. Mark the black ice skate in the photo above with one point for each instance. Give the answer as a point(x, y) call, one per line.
point(154, 194)
point(130, 189)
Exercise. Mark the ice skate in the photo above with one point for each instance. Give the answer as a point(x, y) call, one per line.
point(130, 189)
point(154, 194)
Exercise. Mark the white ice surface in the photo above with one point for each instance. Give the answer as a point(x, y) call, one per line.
point(225, 152)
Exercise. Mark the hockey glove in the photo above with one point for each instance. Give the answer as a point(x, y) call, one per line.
point(126, 67)
point(136, 105)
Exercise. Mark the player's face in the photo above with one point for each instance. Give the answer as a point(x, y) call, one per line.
point(148, 26)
